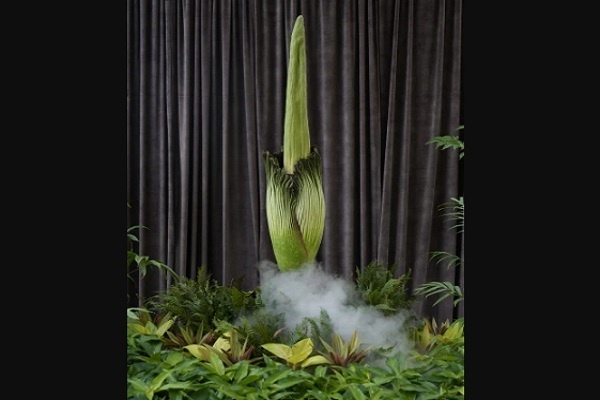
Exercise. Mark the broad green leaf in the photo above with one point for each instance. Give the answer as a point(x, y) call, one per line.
point(198, 351)
point(383, 380)
point(249, 379)
point(314, 360)
point(141, 259)
point(279, 349)
point(160, 378)
point(320, 371)
point(356, 394)
point(422, 387)
point(282, 395)
point(131, 313)
point(164, 326)
point(138, 328)
point(317, 395)
point(241, 371)
point(287, 382)
point(301, 350)
point(176, 385)
point(174, 358)
point(222, 344)
point(231, 394)
point(217, 364)
point(275, 376)
point(137, 384)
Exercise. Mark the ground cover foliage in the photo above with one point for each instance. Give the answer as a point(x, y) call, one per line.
point(202, 340)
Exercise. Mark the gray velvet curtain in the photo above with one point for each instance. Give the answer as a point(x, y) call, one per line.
point(205, 98)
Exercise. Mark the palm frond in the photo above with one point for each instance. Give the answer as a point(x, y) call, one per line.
point(441, 256)
point(455, 211)
point(443, 289)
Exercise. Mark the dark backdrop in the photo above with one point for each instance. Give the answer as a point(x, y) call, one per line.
point(205, 97)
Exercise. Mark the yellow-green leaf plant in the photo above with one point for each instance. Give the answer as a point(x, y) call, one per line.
point(432, 334)
point(227, 348)
point(144, 324)
point(297, 355)
point(295, 204)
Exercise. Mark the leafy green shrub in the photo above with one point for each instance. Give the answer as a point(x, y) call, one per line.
point(379, 288)
point(202, 302)
point(314, 329)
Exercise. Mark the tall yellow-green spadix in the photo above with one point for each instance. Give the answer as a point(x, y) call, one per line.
point(295, 204)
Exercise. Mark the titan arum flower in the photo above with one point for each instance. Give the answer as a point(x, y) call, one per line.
point(295, 204)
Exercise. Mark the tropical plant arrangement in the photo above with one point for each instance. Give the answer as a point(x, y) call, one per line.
point(201, 340)
point(166, 359)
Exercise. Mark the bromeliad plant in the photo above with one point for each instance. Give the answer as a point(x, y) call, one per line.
point(227, 348)
point(184, 335)
point(343, 354)
point(140, 320)
point(295, 204)
point(432, 334)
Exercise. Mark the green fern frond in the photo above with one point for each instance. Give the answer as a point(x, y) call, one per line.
point(379, 288)
point(314, 329)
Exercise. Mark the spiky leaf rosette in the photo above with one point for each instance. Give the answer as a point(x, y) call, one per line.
point(295, 202)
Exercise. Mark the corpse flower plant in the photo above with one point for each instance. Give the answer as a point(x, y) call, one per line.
point(295, 205)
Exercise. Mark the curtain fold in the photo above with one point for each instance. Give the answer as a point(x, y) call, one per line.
point(205, 98)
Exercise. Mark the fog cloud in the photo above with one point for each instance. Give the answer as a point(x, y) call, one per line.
point(305, 292)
